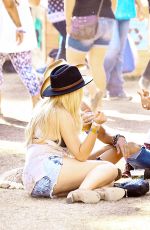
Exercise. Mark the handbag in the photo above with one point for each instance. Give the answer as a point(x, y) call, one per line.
point(134, 188)
point(141, 159)
point(129, 56)
point(125, 10)
point(85, 27)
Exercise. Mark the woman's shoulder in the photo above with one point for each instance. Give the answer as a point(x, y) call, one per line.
point(64, 116)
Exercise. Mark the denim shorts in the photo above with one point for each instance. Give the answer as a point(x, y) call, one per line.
point(44, 187)
point(102, 37)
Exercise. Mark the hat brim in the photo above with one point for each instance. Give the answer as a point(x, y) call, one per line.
point(48, 92)
point(47, 73)
point(49, 69)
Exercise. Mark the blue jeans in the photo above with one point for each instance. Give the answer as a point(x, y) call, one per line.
point(113, 62)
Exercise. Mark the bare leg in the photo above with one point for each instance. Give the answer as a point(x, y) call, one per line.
point(95, 59)
point(78, 57)
point(86, 175)
point(109, 153)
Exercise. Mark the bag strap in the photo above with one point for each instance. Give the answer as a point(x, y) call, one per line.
point(100, 7)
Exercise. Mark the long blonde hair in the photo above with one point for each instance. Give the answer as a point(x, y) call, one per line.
point(46, 116)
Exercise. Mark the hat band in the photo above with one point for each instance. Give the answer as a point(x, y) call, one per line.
point(68, 87)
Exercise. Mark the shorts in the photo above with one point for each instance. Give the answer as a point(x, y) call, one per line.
point(45, 186)
point(102, 37)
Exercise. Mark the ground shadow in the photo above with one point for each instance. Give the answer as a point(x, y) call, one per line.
point(12, 129)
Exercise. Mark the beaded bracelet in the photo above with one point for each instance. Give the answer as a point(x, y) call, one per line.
point(115, 139)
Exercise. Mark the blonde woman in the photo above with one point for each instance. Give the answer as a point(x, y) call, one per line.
point(56, 159)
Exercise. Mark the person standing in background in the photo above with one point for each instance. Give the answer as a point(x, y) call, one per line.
point(93, 49)
point(113, 63)
point(17, 39)
point(144, 81)
point(55, 15)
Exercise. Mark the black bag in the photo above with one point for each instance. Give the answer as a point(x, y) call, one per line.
point(135, 187)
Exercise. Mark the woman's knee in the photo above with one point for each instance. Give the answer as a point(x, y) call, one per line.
point(133, 147)
point(111, 169)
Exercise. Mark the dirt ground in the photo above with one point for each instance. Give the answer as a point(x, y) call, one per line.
point(20, 212)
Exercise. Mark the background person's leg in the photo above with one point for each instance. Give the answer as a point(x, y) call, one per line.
point(115, 78)
point(96, 59)
point(61, 28)
point(111, 54)
point(22, 63)
point(2, 60)
point(144, 81)
point(96, 66)
point(75, 57)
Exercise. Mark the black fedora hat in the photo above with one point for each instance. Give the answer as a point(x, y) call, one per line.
point(65, 79)
point(49, 69)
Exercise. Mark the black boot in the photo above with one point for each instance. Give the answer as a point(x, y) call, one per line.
point(126, 173)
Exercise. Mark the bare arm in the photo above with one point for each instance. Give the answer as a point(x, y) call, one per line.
point(80, 150)
point(12, 11)
point(68, 10)
point(103, 135)
point(34, 2)
point(140, 9)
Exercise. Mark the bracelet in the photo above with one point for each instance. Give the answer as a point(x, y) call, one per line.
point(94, 130)
point(115, 139)
point(95, 124)
point(20, 29)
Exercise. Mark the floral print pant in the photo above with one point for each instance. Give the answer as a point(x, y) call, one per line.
point(22, 62)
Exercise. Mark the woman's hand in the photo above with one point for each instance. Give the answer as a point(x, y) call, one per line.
point(100, 118)
point(19, 37)
point(87, 118)
point(122, 147)
point(145, 99)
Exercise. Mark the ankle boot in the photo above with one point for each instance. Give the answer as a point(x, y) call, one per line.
point(85, 196)
point(111, 193)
